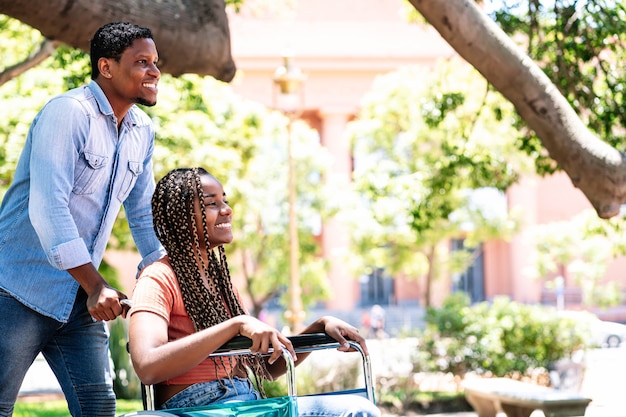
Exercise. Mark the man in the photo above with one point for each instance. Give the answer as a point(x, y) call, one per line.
point(88, 152)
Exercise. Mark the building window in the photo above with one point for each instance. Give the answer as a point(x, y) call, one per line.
point(472, 280)
point(376, 288)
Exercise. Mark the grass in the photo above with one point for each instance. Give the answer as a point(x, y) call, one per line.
point(58, 408)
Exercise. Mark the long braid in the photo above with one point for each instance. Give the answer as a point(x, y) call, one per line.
point(211, 301)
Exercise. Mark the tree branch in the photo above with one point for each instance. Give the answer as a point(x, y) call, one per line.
point(46, 49)
point(594, 167)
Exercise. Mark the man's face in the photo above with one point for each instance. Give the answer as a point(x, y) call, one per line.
point(135, 77)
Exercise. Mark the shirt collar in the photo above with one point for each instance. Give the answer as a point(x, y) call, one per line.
point(105, 106)
point(101, 98)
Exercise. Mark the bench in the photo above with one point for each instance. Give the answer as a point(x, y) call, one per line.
point(489, 396)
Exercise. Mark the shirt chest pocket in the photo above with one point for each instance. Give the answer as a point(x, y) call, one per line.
point(133, 171)
point(92, 173)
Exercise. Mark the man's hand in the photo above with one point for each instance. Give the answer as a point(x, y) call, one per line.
point(105, 304)
point(103, 301)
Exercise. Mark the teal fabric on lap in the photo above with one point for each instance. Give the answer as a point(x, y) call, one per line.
point(268, 407)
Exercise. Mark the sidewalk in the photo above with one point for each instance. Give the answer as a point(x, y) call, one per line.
point(40, 380)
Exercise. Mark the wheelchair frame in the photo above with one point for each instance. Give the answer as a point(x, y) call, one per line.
point(301, 343)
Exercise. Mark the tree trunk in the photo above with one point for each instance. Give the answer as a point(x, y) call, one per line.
point(596, 168)
point(431, 256)
point(192, 36)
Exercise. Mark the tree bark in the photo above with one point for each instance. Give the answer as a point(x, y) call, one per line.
point(596, 168)
point(192, 36)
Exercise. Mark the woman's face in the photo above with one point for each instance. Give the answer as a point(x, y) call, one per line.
point(218, 213)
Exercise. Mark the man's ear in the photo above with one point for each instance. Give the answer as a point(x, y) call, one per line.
point(104, 66)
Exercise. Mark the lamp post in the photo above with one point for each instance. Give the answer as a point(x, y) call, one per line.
point(288, 98)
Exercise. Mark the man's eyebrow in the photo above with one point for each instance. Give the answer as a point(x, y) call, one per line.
point(147, 56)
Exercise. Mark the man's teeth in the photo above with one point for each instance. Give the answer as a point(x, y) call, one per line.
point(149, 85)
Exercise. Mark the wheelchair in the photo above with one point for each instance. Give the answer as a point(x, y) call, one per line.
point(285, 406)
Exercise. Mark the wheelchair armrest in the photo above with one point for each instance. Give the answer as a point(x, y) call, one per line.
point(301, 341)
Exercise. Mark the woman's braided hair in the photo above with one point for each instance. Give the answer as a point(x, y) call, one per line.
point(208, 301)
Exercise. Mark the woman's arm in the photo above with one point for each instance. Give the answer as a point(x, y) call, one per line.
point(156, 360)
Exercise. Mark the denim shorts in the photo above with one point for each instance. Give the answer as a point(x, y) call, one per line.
point(241, 389)
point(214, 392)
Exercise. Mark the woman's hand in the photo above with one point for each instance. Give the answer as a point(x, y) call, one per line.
point(264, 337)
point(340, 331)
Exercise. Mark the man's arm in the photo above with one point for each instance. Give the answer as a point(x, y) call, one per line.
point(103, 301)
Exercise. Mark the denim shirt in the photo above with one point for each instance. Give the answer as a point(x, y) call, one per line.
point(75, 172)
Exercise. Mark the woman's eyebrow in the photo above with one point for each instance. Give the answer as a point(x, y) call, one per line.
point(212, 195)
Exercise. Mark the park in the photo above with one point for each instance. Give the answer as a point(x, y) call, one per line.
point(427, 148)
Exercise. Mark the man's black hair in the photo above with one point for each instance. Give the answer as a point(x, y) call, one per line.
point(112, 39)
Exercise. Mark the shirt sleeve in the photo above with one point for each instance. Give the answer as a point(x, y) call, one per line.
point(155, 291)
point(52, 160)
point(138, 208)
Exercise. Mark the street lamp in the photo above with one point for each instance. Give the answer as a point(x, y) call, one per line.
point(289, 98)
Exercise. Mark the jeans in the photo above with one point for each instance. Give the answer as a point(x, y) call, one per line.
point(77, 353)
point(241, 389)
point(214, 392)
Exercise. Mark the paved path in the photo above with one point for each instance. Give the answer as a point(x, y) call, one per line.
point(40, 380)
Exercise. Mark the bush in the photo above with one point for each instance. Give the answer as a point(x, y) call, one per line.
point(126, 384)
point(502, 338)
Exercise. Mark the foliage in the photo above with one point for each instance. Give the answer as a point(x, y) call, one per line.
point(500, 338)
point(580, 248)
point(22, 97)
point(579, 44)
point(427, 145)
point(200, 122)
point(126, 384)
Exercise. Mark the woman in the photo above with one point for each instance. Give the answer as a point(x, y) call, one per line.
point(185, 307)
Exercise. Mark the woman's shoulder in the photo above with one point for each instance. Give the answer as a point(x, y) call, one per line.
point(157, 281)
point(162, 264)
point(160, 270)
